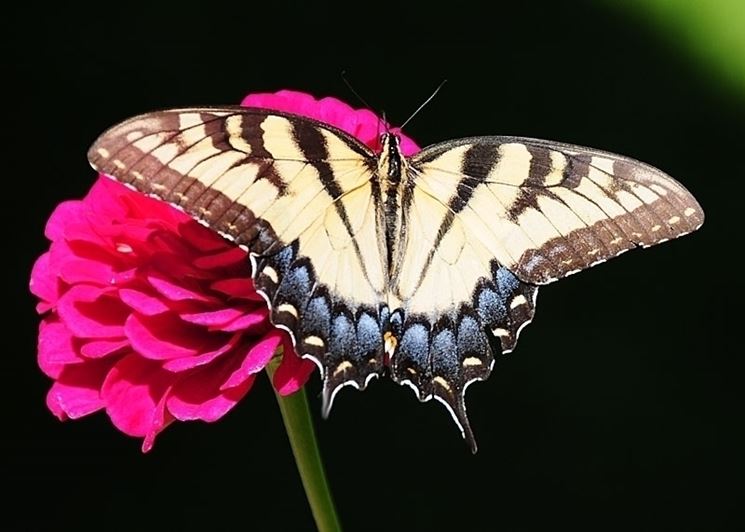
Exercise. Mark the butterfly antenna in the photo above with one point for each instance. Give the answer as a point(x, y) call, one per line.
point(423, 104)
point(357, 94)
point(364, 102)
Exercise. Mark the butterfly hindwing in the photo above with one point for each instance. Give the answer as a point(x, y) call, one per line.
point(443, 351)
point(296, 193)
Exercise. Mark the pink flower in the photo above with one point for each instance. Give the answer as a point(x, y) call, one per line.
point(152, 317)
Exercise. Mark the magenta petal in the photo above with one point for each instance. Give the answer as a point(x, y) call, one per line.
point(59, 253)
point(200, 237)
point(64, 214)
point(103, 348)
point(284, 100)
point(182, 364)
point(293, 372)
point(176, 292)
point(166, 336)
point(249, 322)
point(91, 312)
point(83, 232)
point(54, 405)
point(176, 266)
point(257, 356)
point(44, 284)
point(143, 303)
point(166, 240)
point(77, 390)
point(228, 258)
point(238, 287)
point(106, 196)
point(213, 318)
point(132, 392)
point(199, 396)
point(124, 277)
point(161, 419)
point(86, 271)
point(341, 115)
point(56, 347)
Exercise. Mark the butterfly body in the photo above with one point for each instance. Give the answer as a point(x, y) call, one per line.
point(391, 165)
point(424, 266)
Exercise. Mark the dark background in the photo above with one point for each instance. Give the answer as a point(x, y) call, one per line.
point(622, 405)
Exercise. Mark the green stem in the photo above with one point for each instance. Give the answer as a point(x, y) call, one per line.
point(299, 426)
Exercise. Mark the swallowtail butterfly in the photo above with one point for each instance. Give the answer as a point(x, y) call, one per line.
point(423, 267)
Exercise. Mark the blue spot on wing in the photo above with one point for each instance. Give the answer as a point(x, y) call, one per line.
point(415, 344)
point(342, 337)
point(444, 352)
point(369, 336)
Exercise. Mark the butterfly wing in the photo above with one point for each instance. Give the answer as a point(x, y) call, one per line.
point(295, 192)
point(546, 210)
point(496, 216)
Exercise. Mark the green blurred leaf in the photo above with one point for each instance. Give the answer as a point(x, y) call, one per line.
point(713, 31)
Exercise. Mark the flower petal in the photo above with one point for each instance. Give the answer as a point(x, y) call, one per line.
point(105, 198)
point(285, 100)
point(174, 291)
point(257, 356)
point(161, 419)
point(143, 303)
point(242, 287)
point(86, 271)
point(103, 348)
point(293, 372)
point(228, 258)
point(200, 237)
point(76, 393)
point(182, 364)
point(64, 214)
point(92, 312)
point(213, 318)
point(56, 347)
point(44, 283)
point(199, 396)
point(164, 337)
point(132, 392)
point(252, 322)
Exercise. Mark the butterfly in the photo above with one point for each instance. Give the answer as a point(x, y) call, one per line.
point(423, 267)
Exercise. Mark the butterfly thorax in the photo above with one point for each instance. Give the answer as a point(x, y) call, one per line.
point(391, 161)
point(392, 166)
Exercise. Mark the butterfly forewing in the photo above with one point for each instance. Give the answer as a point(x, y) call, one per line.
point(546, 210)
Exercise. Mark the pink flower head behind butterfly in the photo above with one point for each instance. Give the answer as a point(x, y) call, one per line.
point(152, 317)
